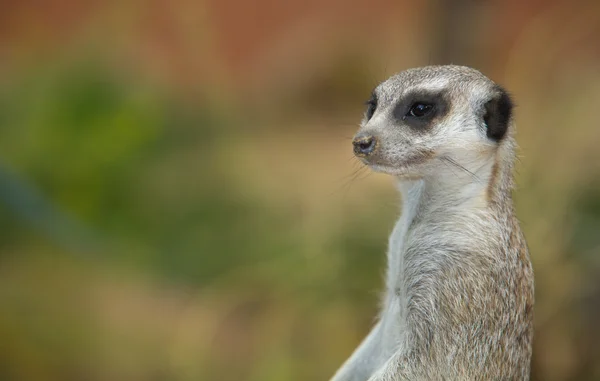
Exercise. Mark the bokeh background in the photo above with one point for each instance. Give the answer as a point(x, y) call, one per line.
point(179, 201)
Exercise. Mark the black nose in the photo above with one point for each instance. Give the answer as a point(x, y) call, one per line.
point(364, 145)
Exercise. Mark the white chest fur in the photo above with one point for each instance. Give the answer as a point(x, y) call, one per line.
point(393, 314)
point(434, 215)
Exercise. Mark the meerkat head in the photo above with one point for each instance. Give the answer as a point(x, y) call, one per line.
point(422, 116)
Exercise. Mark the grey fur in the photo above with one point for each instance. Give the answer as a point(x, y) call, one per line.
point(459, 296)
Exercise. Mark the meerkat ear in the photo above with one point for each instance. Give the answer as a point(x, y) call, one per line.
point(498, 112)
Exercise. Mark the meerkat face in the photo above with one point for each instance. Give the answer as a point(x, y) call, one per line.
point(422, 116)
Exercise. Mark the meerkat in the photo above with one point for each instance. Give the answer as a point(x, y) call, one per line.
point(458, 302)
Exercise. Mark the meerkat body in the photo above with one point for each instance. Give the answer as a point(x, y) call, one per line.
point(459, 297)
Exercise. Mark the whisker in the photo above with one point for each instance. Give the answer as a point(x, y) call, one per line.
point(364, 175)
point(451, 167)
point(355, 168)
point(461, 167)
point(353, 159)
point(348, 184)
point(351, 178)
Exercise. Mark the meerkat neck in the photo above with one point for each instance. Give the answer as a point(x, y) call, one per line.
point(458, 188)
point(501, 183)
point(471, 183)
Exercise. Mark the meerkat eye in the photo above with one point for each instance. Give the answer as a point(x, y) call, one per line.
point(419, 109)
point(371, 106)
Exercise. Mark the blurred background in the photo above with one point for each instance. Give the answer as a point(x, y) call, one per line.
point(179, 200)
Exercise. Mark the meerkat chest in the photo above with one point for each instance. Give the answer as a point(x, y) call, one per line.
point(425, 246)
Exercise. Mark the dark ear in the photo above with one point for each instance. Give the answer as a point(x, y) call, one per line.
point(498, 112)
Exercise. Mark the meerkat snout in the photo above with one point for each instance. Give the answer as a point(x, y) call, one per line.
point(364, 145)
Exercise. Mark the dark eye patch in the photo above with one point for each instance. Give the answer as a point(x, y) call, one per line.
point(371, 106)
point(418, 109)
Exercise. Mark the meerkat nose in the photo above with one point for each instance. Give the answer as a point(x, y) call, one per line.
point(364, 145)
